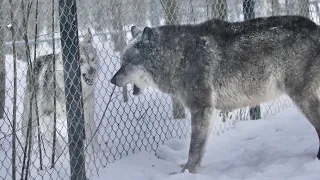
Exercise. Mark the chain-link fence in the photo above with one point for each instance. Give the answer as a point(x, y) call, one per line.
point(33, 111)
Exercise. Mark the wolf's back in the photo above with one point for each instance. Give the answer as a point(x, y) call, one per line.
point(225, 29)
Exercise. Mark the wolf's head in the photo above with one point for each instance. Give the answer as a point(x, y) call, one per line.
point(137, 60)
point(88, 60)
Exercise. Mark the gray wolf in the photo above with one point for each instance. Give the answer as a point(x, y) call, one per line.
point(218, 65)
point(43, 74)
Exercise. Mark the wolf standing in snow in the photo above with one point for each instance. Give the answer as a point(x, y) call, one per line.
point(44, 94)
point(218, 65)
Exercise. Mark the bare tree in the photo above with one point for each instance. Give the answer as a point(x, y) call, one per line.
point(289, 7)
point(118, 36)
point(304, 8)
point(275, 5)
point(315, 4)
point(139, 12)
point(54, 91)
point(219, 9)
point(2, 65)
point(84, 14)
point(192, 16)
point(248, 12)
point(98, 14)
point(14, 123)
point(154, 12)
point(170, 9)
point(117, 33)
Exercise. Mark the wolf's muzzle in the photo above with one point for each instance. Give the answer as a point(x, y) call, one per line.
point(113, 80)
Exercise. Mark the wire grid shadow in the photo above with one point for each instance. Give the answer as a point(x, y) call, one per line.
point(122, 123)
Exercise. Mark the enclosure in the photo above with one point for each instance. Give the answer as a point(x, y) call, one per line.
point(125, 124)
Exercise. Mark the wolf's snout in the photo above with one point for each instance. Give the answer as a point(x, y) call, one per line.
point(118, 75)
point(113, 80)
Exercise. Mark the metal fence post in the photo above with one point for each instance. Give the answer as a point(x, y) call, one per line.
point(73, 88)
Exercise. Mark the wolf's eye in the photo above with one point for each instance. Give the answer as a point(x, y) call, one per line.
point(81, 60)
point(92, 59)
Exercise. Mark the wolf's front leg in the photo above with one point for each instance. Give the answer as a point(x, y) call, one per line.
point(201, 122)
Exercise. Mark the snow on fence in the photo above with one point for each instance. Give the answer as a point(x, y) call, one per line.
point(125, 124)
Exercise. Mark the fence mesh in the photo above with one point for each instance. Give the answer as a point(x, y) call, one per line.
point(120, 123)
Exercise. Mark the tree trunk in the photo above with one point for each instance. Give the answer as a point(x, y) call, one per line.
point(275, 7)
point(304, 8)
point(140, 13)
point(317, 8)
point(219, 9)
point(118, 35)
point(248, 12)
point(170, 9)
point(154, 12)
point(13, 143)
point(289, 7)
point(248, 9)
point(97, 15)
point(2, 65)
point(192, 17)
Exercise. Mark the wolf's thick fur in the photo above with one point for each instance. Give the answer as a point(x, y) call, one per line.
point(218, 65)
point(44, 94)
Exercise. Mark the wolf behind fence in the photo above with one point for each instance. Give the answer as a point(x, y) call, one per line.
point(43, 76)
point(217, 65)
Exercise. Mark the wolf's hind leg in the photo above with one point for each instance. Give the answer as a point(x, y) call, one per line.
point(310, 105)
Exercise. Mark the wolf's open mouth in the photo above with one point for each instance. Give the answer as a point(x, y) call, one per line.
point(88, 79)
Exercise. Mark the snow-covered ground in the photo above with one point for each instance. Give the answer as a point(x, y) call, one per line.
point(277, 148)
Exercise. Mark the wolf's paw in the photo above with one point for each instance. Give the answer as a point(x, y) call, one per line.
point(188, 169)
point(182, 171)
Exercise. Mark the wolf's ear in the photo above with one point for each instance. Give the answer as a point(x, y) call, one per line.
point(135, 31)
point(88, 37)
point(147, 35)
